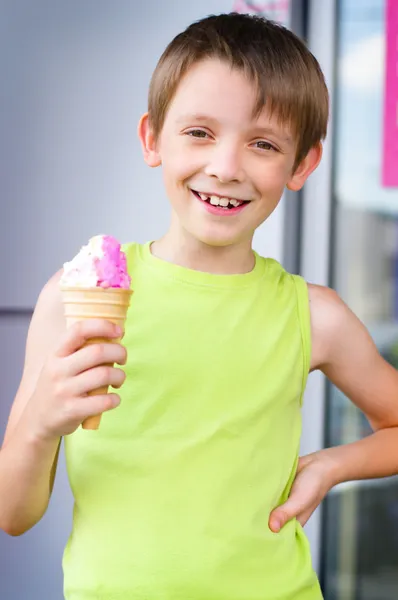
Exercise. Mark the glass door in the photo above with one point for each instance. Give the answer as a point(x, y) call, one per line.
point(360, 519)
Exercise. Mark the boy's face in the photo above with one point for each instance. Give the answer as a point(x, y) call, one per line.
point(212, 150)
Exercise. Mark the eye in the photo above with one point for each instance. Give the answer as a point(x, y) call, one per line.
point(197, 133)
point(263, 145)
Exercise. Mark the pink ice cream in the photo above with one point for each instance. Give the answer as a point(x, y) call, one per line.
point(101, 263)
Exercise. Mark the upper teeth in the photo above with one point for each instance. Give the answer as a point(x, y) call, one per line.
point(217, 201)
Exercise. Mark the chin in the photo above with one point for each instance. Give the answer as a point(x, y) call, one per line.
point(217, 239)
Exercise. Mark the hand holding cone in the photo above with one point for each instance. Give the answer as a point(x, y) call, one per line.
point(96, 303)
point(96, 285)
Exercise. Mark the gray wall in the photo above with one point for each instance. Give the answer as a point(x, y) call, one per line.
point(74, 83)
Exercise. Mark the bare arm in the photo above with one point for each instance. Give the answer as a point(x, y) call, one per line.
point(52, 401)
point(27, 465)
point(345, 352)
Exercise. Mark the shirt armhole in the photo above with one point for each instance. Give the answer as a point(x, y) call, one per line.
point(304, 317)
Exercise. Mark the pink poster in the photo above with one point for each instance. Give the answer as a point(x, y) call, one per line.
point(390, 149)
point(277, 10)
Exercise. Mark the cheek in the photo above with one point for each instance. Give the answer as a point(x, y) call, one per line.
point(178, 164)
point(273, 179)
point(176, 169)
point(177, 152)
point(176, 173)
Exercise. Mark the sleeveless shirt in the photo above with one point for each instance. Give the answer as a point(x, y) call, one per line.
point(173, 493)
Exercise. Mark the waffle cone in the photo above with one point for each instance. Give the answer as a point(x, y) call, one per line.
point(96, 303)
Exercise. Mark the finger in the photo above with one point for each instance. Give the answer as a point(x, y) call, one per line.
point(78, 334)
point(277, 520)
point(95, 378)
point(93, 356)
point(95, 405)
point(284, 513)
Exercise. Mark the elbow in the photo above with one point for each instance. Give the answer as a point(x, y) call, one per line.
point(380, 425)
point(12, 532)
point(14, 529)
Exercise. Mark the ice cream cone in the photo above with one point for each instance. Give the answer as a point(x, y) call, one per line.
point(96, 303)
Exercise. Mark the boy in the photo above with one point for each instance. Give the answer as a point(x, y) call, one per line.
point(193, 488)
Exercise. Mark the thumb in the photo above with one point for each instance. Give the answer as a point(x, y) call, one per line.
point(282, 514)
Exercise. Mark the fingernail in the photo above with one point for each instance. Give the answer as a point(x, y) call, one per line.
point(118, 331)
point(276, 525)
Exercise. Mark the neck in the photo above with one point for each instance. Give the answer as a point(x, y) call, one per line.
point(182, 249)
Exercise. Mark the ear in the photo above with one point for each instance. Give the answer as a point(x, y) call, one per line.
point(148, 142)
point(305, 168)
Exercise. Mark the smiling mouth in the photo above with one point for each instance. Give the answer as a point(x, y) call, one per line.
point(221, 202)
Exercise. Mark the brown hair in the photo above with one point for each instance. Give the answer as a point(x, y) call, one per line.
point(287, 76)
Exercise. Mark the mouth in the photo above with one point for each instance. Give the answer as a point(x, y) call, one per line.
point(219, 204)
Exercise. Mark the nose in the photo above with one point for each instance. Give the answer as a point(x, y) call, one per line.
point(225, 163)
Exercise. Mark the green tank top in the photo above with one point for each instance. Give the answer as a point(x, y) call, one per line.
point(173, 492)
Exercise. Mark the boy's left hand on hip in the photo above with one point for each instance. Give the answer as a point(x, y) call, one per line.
point(312, 482)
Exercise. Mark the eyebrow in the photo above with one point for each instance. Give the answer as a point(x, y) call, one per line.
point(195, 117)
point(265, 131)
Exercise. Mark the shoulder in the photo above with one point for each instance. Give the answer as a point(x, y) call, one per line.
point(327, 312)
point(48, 320)
point(49, 309)
point(46, 325)
point(50, 295)
point(333, 325)
point(345, 352)
point(325, 301)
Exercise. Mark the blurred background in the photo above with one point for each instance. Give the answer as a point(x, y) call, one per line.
point(74, 84)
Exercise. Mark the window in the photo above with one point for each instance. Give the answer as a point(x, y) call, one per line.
point(360, 542)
